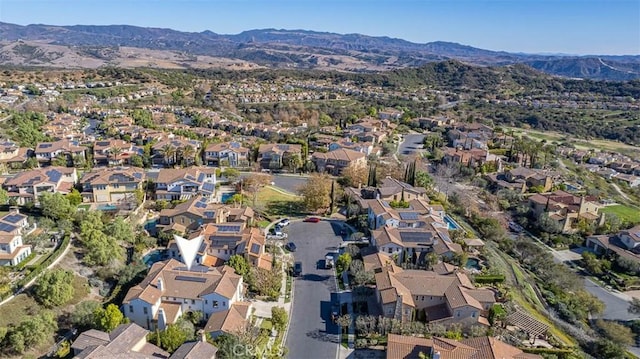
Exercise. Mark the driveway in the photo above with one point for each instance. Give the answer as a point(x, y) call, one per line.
point(412, 143)
point(311, 333)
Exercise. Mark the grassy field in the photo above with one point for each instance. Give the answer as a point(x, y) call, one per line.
point(24, 305)
point(603, 145)
point(625, 213)
point(273, 194)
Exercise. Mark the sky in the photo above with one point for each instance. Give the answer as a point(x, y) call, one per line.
point(607, 27)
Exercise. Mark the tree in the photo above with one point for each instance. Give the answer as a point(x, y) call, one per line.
point(168, 153)
point(83, 315)
point(4, 196)
point(74, 197)
point(343, 262)
point(255, 183)
point(56, 206)
point(169, 339)
point(239, 264)
point(121, 231)
point(316, 192)
point(109, 318)
point(423, 179)
point(615, 332)
point(634, 306)
point(355, 175)
point(136, 161)
point(33, 331)
point(344, 321)
point(231, 174)
point(605, 348)
point(54, 288)
point(188, 155)
point(60, 161)
point(592, 264)
point(231, 347)
point(102, 249)
point(279, 318)
point(113, 153)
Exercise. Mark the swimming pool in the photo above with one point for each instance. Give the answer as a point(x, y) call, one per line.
point(451, 224)
point(152, 257)
point(473, 263)
point(225, 196)
point(107, 207)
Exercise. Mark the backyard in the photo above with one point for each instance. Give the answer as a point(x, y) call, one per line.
point(625, 213)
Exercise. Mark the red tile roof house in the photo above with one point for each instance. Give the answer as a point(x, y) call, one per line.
point(230, 154)
point(409, 347)
point(170, 290)
point(276, 155)
point(446, 299)
point(12, 251)
point(112, 152)
point(26, 187)
point(336, 161)
point(47, 151)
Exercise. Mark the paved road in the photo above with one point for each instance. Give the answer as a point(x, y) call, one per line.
point(412, 143)
point(311, 333)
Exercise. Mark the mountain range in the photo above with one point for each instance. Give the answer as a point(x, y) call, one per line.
point(82, 46)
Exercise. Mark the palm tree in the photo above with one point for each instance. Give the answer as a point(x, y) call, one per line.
point(168, 152)
point(188, 153)
point(113, 152)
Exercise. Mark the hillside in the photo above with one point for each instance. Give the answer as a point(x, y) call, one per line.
point(83, 46)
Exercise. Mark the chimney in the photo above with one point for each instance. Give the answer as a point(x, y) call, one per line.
point(160, 285)
point(203, 335)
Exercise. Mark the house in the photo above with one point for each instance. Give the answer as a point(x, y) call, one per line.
point(112, 152)
point(346, 143)
point(531, 177)
point(112, 185)
point(625, 244)
point(46, 151)
point(130, 341)
point(228, 154)
point(126, 340)
point(336, 161)
point(184, 183)
point(409, 347)
point(565, 209)
point(220, 241)
point(277, 155)
point(231, 321)
point(630, 180)
point(391, 189)
point(14, 156)
point(451, 298)
point(26, 187)
point(12, 250)
point(390, 114)
point(194, 213)
point(171, 289)
point(431, 123)
point(418, 213)
point(472, 158)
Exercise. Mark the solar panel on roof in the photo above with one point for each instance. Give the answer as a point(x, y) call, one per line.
point(255, 248)
point(13, 218)
point(208, 186)
point(54, 175)
point(417, 237)
point(210, 214)
point(6, 227)
point(408, 216)
point(44, 145)
point(228, 228)
point(201, 177)
point(137, 175)
point(191, 279)
point(201, 205)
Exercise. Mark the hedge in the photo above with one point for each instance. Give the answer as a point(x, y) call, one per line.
point(489, 279)
point(560, 353)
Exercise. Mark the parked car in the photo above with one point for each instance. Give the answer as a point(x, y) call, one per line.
point(277, 235)
point(291, 247)
point(328, 261)
point(312, 219)
point(297, 269)
point(283, 222)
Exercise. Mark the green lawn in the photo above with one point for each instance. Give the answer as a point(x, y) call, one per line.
point(625, 213)
point(271, 194)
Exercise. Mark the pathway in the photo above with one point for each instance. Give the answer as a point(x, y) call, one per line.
point(30, 283)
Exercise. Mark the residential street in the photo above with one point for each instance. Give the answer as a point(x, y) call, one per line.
point(411, 144)
point(311, 333)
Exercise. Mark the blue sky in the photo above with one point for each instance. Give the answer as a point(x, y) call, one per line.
point(541, 26)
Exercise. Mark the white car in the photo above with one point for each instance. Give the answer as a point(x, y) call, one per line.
point(284, 222)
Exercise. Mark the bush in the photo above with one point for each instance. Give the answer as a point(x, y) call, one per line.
point(489, 279)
